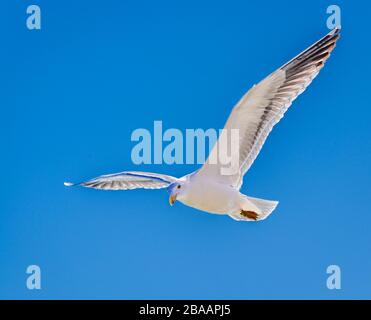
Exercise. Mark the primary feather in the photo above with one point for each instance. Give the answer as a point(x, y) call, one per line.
point(264, 105)
point(127, 180)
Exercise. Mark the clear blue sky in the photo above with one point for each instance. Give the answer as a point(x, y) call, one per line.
point(73, 92)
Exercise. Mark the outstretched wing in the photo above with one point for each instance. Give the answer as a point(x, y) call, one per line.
point(265, 104)
point(127, 180)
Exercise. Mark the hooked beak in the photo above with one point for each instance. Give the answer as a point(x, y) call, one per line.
point(172, 199)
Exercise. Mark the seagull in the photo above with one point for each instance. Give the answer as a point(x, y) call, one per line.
point(254, 116)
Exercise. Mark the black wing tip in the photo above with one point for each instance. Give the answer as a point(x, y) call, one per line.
point(326, 43)
point(336, 30)
point(334, 33)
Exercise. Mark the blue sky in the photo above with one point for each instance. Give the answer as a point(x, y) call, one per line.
point(73, 92)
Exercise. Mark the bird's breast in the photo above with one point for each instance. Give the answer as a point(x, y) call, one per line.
point(211, 197)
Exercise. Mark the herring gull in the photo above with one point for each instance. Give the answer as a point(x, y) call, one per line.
point(209, 189)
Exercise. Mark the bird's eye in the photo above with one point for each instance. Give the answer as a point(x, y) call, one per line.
point(178, 186)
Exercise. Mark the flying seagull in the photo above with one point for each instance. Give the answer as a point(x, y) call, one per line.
point(254, 116)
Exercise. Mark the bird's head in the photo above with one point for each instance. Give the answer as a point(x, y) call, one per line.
point(176, 190)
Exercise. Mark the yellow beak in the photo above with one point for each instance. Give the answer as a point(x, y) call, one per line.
point(172, 199)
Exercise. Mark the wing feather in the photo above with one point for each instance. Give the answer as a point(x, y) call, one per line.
point(265, 104)
point(128, 180)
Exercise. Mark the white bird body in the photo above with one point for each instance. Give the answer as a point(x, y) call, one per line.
point(210, 189)
point(210, 196)
point(218, 198)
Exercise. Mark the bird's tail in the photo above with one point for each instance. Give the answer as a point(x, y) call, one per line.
point(266, 206)
point(254, 209)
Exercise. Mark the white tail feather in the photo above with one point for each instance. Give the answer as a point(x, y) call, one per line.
point(262, 207)
point(265, 206)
